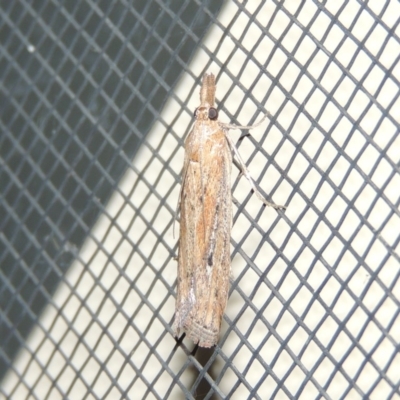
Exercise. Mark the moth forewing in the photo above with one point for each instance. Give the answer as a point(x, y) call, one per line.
point(205, 228)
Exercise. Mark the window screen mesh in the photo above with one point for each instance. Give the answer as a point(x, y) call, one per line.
point(96, 100)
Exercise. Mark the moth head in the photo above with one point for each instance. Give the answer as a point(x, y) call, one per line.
point(206, 113)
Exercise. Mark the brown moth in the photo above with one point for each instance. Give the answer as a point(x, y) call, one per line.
point(205, 222)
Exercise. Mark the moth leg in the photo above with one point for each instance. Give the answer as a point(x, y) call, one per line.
point(233, 126)
point(246, 173)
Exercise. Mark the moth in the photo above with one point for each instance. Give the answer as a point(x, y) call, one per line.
point(205, 204)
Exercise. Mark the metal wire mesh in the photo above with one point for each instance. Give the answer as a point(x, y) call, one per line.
point(87, 252)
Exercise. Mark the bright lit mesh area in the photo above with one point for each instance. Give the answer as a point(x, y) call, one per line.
point(96, 101)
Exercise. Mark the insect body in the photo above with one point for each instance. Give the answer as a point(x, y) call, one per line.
point(205, 223)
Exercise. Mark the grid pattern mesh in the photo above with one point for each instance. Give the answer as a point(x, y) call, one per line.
point(96, 99)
